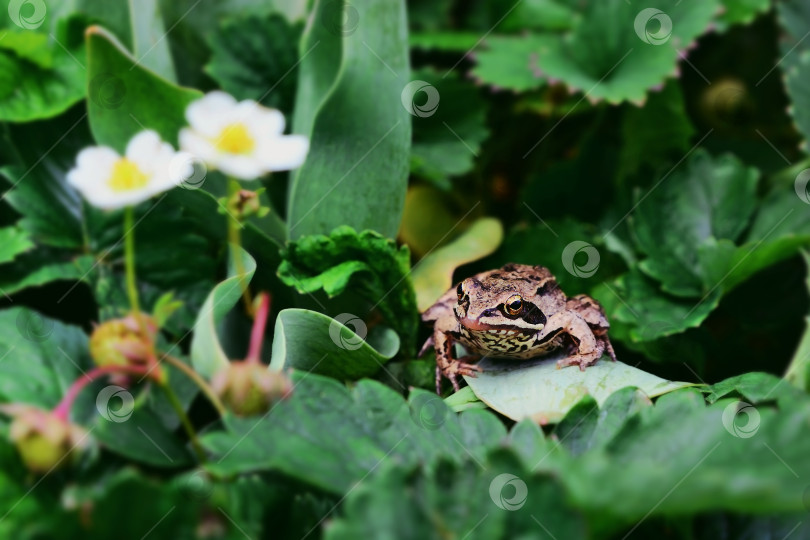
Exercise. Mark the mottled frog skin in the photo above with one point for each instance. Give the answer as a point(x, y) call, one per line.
point(516, 312)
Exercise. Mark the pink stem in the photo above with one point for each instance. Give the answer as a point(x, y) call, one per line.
point(257, 333)
point(63, 409)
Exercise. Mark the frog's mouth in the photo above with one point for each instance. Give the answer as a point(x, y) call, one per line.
point(479, 327)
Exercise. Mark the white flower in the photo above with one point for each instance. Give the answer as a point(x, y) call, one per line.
point(108, 180)
point(242, 139)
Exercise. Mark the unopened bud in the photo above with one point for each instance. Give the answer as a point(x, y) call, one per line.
point(121, 342)
point(250, 388)
point(43, 439)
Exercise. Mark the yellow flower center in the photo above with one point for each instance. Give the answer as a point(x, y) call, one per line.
point(126, 176)
point(235, 139)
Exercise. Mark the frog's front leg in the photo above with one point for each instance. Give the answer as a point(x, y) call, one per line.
point(446, 364)
point(588, 348)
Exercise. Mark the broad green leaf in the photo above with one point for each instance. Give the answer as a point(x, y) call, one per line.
point(36, 83)
point(13, 241)
point(143, 100)
point(207, 354)
point(142, 438)
point(41, 357)
point(499, 500)
point(446, 142)
point(755, 387)
point(149, 45)
point(798, 371)
point(463, 400)
point(314, 342)
point(256, 58)
point(357, 169)
point(433, 275)
point(366, 263)
point(703, 200)
point(634, 299)
point(537, 389)
point(329, 436)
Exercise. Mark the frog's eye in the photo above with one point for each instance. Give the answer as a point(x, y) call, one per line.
point(513, 305)
point(460, 292)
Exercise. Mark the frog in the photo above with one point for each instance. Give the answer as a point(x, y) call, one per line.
point(516, 312)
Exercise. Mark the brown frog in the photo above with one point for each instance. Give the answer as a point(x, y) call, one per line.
point(516, 312)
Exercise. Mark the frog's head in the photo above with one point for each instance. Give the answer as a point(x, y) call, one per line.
point(505, 303)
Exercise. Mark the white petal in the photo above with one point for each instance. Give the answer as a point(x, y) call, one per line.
point(283, 153)
point(211, 113)
point(261, 121)
point(93, 167)
point(194, 143)
point(242, 167)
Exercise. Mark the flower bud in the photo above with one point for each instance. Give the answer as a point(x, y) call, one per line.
point(44, 439)
point(121, 342)
point(250, 388)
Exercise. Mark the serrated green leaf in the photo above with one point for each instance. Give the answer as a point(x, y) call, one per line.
point(41, 357)
point(740, 12)
point(446, 142)
point(13, 241)
point(704, 200)
point(329, 436)
point(367, 263)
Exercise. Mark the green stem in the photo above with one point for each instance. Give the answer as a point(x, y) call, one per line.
point(178, 408)
point(235, 238)
point(129, 253)
point(204, 387)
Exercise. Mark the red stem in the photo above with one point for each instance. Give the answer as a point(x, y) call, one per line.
point(257, 333)
point(63, 409)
